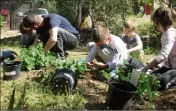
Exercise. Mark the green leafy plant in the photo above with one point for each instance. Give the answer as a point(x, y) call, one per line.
point(77, 67)
point(124, 73)
point(34, 58)
point(147, 86)
point(44, 77)
point(150, 50)
point(105, 74)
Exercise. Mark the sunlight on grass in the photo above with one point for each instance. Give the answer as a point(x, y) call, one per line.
point(38, 98)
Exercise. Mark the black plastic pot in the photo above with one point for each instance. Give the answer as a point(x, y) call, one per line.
point(119, 94)
point(64, 80)
point(8, 54)
point(11, 70)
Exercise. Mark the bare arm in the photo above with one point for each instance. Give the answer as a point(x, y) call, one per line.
point(52, 39)
point(167, 44)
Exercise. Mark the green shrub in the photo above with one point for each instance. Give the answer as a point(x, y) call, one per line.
point(34, 58)
point(116, 27)
point(1, 21)
point(150, 37)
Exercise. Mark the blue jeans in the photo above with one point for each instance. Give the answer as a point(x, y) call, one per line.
point(26, 40)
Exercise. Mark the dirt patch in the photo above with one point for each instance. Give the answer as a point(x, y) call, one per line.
point(167, 99)
point(94, 90)
point(6, 32)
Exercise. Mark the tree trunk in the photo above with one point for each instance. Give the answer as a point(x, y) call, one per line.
point(79, 15)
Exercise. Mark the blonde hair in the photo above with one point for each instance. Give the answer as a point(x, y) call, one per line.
point(130, 24)
point(100, 32)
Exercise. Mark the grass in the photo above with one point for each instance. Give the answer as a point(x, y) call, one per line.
point(37, 98)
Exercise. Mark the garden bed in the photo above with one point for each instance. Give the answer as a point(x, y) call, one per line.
point(90, 92)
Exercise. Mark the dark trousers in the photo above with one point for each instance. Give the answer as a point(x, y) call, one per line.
point(165, 75)
point(134, 64)
point(65, 41)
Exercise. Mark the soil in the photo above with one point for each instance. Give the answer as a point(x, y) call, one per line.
point(6, 33)
point(96, 90)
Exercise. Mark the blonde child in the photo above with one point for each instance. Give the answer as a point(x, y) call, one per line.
point(109, 48)
point(132, 39)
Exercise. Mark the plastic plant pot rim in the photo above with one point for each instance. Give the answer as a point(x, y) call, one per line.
point(11, 64)
point(67, 74)
point(131, 92)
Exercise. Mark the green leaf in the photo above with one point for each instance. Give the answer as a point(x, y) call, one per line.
point(73, 68)
point(12, 100)
point(81, 69)
point(28, 60)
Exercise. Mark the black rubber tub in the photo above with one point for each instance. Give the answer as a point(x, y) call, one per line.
point(11, 70)
point(119, 94)
point(64, 80)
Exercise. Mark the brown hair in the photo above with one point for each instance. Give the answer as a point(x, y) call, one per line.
point(31, 20)
point(22, 30)
point(164, 16)
point(100, 32)
point(130, 24)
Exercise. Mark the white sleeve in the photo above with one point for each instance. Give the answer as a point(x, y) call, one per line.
point(167, 44)
point(91, 55)
point(139, 42)
point(118, 59)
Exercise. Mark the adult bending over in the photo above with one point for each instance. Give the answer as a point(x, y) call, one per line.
point(54, 31)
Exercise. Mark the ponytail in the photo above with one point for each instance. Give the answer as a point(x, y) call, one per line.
point(173, 14)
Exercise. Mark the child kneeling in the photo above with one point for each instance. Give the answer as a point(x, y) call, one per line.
point(109, 50)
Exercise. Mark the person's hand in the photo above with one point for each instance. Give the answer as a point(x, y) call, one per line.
point(89, 65)
point(31, 33)
point(129, 50)
point(99, 65)
point(143, 69)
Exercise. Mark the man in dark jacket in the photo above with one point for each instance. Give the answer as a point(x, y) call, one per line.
point(54, 30)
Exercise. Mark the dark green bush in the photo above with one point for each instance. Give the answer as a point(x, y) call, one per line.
point(150, 37)
point(1, 20)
